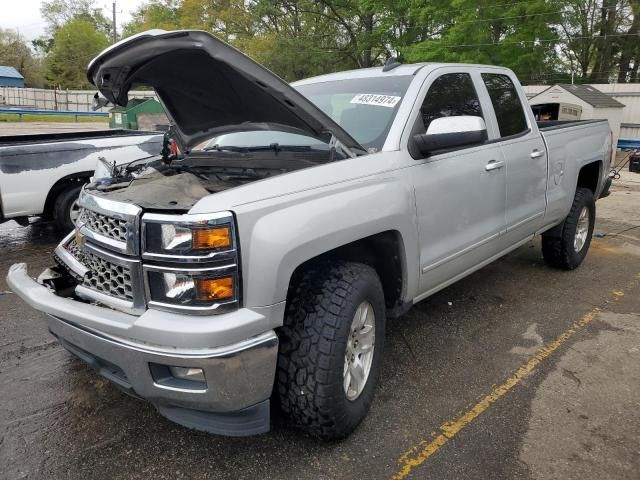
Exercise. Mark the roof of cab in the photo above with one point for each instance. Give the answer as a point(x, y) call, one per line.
point(402, 69)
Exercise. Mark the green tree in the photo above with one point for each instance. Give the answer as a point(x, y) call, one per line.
point(296, 39)
point(630, 48)
point(74, 45)
point(600, 39)
point(59, 12)
point(520, 36)
point(15, 52)
point(164, 14)
point(543, 41)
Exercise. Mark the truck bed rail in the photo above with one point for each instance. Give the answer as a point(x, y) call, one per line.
point(547, 125)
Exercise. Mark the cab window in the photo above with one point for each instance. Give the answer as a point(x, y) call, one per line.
point(451, 94)
point(506, 104)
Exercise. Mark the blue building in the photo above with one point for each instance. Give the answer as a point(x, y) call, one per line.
point(10, 77)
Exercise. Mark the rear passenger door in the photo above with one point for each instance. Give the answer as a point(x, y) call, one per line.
point(525, 155)
point(460, 194)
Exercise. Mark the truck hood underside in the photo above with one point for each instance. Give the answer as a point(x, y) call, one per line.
point(208, 87)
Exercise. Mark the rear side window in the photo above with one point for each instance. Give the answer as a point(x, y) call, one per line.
point(451, 94)
point(506, 103)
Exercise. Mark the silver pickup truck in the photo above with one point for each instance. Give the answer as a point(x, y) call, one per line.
point(262, 262)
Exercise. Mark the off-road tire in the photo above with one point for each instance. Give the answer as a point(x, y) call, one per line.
point(62, 208)
point(557, 246)
point(321, 304)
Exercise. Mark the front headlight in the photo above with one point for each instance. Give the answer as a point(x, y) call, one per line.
point(187, 237)
point(191, 262)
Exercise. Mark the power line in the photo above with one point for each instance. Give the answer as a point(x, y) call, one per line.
point(477, 20)
point(512, 4)
point(428, 47)
point(519, 42)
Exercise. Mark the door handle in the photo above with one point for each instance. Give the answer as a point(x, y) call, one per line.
point(493, 165)
point(536, 153)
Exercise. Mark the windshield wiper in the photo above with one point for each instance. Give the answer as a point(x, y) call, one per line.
point(224, 148)
point(276, 147)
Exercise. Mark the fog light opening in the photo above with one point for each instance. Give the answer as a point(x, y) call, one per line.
point(188, 373)
point(173, 377)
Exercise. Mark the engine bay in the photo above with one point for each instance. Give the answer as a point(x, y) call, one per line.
point(158, 184)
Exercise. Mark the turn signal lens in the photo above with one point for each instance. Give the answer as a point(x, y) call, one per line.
point(208, 289)
point(210, 238)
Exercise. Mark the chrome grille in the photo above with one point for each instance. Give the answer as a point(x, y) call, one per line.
point(73, 248)
point(103, 276)
point(105, 225)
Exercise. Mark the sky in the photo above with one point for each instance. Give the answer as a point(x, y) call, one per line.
point(27, 20)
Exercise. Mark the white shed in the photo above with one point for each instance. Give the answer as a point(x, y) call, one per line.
point(594, 103)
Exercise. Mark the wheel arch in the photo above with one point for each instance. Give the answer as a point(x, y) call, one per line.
point(384, 252)
point(589, 176)
point(62, 184)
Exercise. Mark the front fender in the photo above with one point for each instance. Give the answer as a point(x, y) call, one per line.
point(279, 234)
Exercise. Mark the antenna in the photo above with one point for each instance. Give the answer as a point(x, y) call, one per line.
point(390, 64)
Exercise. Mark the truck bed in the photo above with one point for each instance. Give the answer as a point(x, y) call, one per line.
point(571, 144)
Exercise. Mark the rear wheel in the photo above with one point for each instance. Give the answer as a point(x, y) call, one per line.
point(331, 348)
point(567, 245)
point(66, 209)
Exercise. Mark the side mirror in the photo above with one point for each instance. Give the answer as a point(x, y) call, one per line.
point(446, 133)
point(99, 101)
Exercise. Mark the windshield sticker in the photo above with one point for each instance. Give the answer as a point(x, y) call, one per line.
point(378, 100)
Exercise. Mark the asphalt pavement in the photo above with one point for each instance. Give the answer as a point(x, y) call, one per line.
point(516, 372)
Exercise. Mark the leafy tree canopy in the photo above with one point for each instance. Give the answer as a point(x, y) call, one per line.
point(74, 45)
point(543, 41)
point(58, 12)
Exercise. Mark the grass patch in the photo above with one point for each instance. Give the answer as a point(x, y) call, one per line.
point(13, 117)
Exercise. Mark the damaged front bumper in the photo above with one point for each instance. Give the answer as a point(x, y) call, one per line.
point(232, 398)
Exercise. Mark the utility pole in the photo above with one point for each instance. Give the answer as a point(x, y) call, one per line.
point(114, 33)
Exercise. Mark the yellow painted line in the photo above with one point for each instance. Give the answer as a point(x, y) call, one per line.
point(420, 453)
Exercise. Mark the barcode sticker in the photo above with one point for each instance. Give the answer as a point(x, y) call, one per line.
point(378, 100)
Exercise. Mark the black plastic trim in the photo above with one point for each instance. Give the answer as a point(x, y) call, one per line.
point(249, 421)
point(68, 136)
point(510, 137)
point(559, 124)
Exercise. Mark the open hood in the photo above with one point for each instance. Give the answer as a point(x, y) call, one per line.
point(208, 88)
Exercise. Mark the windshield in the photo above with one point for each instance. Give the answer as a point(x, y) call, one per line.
point(363, 107)
point(260, 138)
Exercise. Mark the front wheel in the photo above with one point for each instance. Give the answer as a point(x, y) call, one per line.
point(331, 348)
point(567, 246)
point(66, 209)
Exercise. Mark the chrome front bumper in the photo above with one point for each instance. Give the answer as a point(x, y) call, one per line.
point(238, 376)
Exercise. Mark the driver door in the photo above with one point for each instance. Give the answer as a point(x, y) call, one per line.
point(460, 193)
